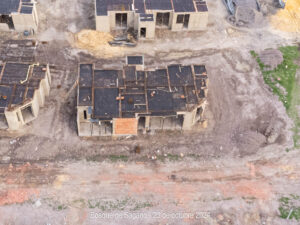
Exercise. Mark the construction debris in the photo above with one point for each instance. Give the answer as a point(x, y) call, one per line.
point(18, 50)
point(123, 102)
point(97, 43)
point(243, 13)
point(23, 88)
point(124, 40)
point(271, 58)
point(176, 15)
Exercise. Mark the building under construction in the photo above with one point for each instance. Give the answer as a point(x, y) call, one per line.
point(144, 16)
point(23, 88)
point(124, 102)
point(19, 15)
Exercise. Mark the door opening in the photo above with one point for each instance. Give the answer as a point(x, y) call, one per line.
point(142, 123)
point(199, 113)
point(8, 20)
point(162, 19)
point(121, 20)
point(186, 20)
point(143, 32)
point(27, 114)
point(183, 19)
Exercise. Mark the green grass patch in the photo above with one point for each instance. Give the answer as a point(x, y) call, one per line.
point(112, 158)
point(289, 207)
point(123, 204)
point(283, 83)
point(117, 158)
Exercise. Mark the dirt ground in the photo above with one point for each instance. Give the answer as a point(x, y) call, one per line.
point(228, 173)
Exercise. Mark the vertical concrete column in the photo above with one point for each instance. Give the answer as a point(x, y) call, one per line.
point(35, 106)
point(13, 120)
point(48, 74)
point(147, 122)
point(46, 86)
point(188, 120)
point(40, 95)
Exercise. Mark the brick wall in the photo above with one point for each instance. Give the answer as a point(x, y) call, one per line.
point(125, 126)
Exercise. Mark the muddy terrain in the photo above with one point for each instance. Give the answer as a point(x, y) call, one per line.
point(231, 170)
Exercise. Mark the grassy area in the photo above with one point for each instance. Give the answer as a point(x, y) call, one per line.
point(124, 204)
point(117, 158)
point(128, 204)
point(283, 83)
point(112, 158)
point(290, 207)
point(124, 158)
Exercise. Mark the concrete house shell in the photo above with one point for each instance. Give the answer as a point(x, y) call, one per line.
point(144, 16)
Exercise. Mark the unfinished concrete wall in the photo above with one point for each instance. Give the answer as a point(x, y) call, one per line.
point(197, 21)
point(46, 87)
point(165, 123)
point(43, 91)
point(83, 121)
point(4, 27)
point(103, 23)
point(177, 26)
point(35, 16)
point(112, 19)
point(150, 29)
point(40, 95)
point(154, 12)
point(3, 122)
point(16, 116)
point(35, 106)
point(13, 119)
point(84, 129)
point(108, 23)
point(136, 21)
point(48, 75)
point(24, 22)
point(189, 120)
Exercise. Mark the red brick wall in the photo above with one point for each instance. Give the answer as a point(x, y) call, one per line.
point(125, 126)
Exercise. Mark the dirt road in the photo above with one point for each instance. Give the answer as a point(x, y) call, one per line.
point(227, 173)
point(224, 191)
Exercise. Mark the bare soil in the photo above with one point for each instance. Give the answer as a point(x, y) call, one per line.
point(49, 175)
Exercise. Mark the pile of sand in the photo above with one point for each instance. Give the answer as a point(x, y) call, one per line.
point(96, 43)
point(288, 19)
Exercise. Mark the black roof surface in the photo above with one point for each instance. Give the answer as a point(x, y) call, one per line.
point(106, 104)
point(184, 5)
point(140, 6)
point(146, 17)
point(5, 91)
point(159, 4)
point(180, 75)
point(12, 6)
point(135, 60)
point(123, 93)
point(18, 82)
point(201, 6)
point(26, 9)
point(9, 6)
point(14, 73)
point(103, 6)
